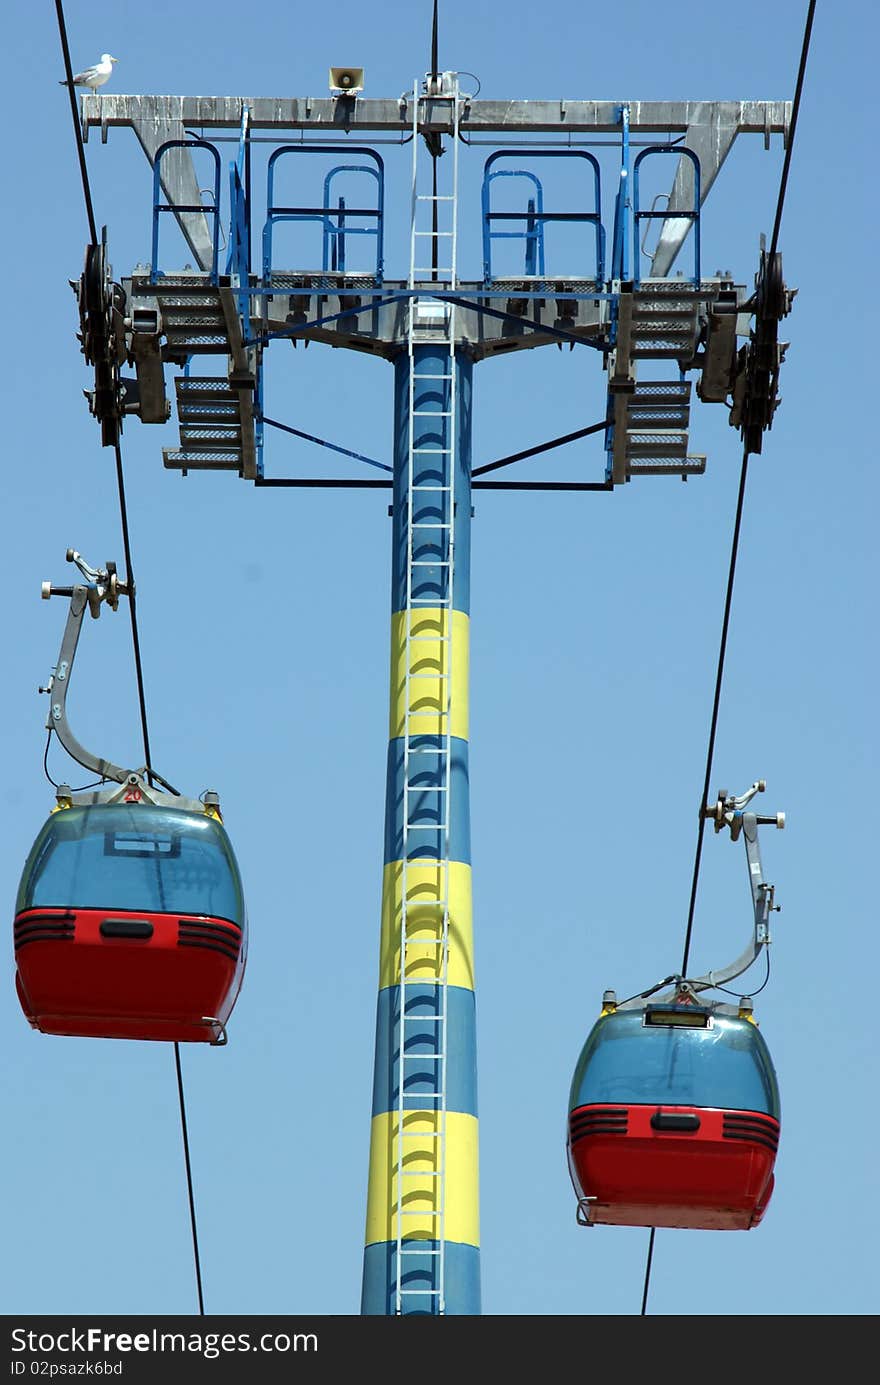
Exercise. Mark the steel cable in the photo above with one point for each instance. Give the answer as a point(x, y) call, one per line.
point(123, 515)
point(725, 624)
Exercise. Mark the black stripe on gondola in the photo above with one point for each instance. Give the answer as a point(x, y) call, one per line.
point(59, 915)
point(588, 1120)
point(26, 920)
point(229, 932)
point(750, 1129)
point(211, 946)
point(44, 938)
point(229, 935)
point(747, 1118)
point(44, 934)
point(215, 921)
point(753, 1138)
point(578, 1135)
point(748, 1123)
point(580, 1132)
point(583, 1112)
point(601, 1122)
point(746, 1127)
point(126, 928)
point(44, 926)
point(222, 939)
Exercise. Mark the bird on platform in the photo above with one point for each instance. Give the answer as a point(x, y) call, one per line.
point(94, 77)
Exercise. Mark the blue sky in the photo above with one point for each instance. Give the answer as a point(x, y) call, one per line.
point(595, 623)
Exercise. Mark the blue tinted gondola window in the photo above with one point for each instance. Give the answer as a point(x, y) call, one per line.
point(119, 856)
point(727, 1065)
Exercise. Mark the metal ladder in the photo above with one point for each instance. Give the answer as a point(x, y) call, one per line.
point(430, 543)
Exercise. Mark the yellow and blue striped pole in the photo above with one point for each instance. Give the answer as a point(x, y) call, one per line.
point(422, 1231)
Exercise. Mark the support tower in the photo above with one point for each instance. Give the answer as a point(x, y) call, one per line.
point(613, 299)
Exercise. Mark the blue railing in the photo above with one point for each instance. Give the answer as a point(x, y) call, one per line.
point(535, 216)
point(238, 259)
point(160, 206)
point(691, 214)
point(620, 236)
point(335, 222)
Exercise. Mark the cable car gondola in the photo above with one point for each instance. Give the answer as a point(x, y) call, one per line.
point(674, 1111)
point(130, 919)
point(130, 922)
point(674, 1118)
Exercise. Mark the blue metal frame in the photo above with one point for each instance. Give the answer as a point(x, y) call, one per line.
point(693, 215)
point(620, 237)
point(461, 299)
point(238, 259)
point(332, 219)
point(620, 270)
point(160, 206)
point(238, 267)
point(535, 216)
point(259, 428)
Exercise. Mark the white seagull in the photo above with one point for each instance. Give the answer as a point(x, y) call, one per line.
point(96, 76)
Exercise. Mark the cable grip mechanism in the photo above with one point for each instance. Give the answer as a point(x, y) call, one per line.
point(103, 584)
point(726, 811)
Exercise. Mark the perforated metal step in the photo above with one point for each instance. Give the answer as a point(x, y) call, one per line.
point(216, 426)
point(667, 466)
point(651, 431)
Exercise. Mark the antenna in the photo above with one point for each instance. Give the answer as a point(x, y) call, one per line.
point(435, 70)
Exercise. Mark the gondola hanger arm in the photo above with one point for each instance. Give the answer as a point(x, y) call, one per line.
point(101, 585)
point(727, 812)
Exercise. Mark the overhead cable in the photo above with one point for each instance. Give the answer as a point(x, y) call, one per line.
point(123, 514)
point(734, 548)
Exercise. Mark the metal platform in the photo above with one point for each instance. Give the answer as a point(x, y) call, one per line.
point(709, 129)
point(667, 320)
point(678, 323)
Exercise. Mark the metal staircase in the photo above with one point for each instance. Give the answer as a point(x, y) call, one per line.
point(213, 431)
point(659, 321)
point(193, 317)
point(427, 759)
point(651, 431)
point(197, 317)
point(665, 320)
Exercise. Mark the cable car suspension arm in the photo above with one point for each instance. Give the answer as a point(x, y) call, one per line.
point(101, 585)
point(727, 812)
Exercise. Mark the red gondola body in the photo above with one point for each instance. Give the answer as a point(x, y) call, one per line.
point(124, 975)
point(130, 924)
point(672, 1166)
point(674, 1119)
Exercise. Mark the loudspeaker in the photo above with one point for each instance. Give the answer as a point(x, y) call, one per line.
point(347, 79)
